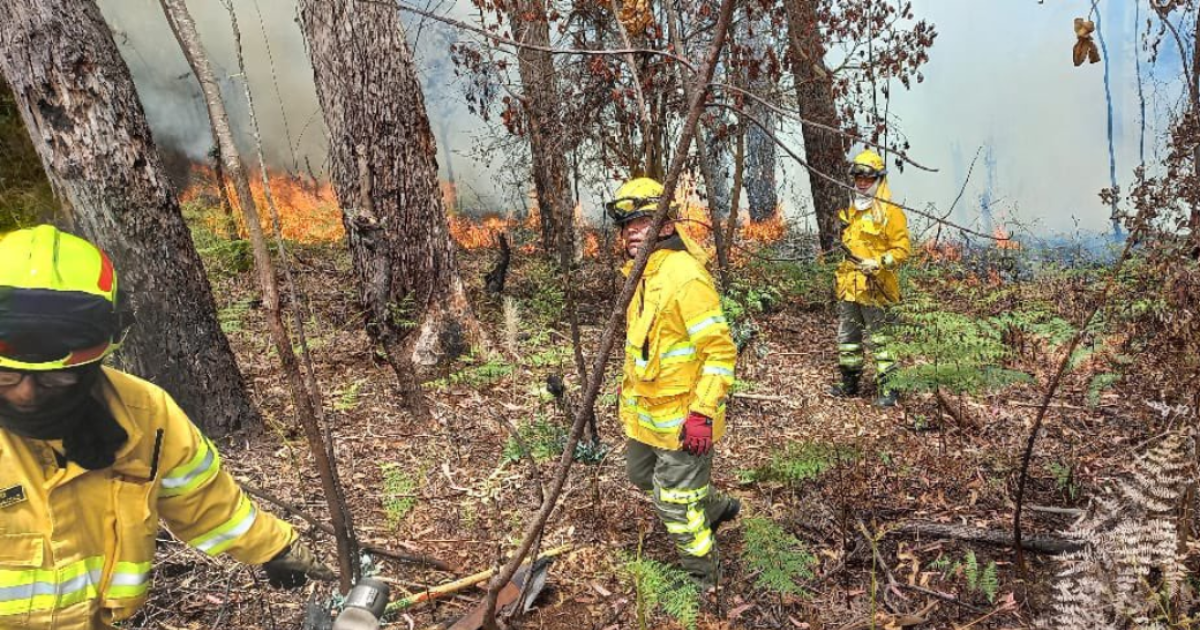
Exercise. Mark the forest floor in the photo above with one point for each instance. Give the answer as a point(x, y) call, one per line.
point(826, 484)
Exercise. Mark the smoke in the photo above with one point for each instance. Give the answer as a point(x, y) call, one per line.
point(280, 76)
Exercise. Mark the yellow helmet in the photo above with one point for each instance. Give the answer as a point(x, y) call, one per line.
point(635, 198)
point(868, 164)
point(60, 304)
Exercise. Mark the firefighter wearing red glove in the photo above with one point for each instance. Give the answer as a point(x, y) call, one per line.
point(679, 361)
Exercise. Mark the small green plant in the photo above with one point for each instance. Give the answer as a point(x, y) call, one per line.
point(1098, 384)
point(660, 586)
point(547, 300)
point(777, 557)
point(544, 439)
point(231, 318)
point(1064, 479)
point(476, 376)
point(799, 462)
point(949, 351)
point(398, 490)
point(984, 581)
point(348, 397)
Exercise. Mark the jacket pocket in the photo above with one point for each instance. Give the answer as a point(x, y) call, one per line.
point(128, 580)
point(19, 555)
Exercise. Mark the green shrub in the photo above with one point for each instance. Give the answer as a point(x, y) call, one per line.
point(799, 462)
point(776, 558)
point(398, 488)
point(544, 439)
point(660, 586)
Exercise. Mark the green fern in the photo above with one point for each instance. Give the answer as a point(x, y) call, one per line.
point(660, 586)
point(544, 439)
point(348, 398)
point(477, 376)
point(1098, 384)
point(799, 462)
point(971, 569)
point(954, 352)
point(778, 558)
point(398, 488)
point(989, 583)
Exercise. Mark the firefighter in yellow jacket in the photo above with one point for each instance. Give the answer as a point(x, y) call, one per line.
point(679, 361)
point(91, 458)
point(875, 240)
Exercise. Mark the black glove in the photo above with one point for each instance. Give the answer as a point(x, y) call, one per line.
point(292, 567)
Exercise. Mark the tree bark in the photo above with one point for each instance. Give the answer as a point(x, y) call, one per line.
point(547, 137)
point(395, 220)
point(78, 100)
point(825, 150)
point(761, 199)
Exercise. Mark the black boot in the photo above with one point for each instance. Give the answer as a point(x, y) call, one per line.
point(732, 508)
point(849, 385)
point(887, 394)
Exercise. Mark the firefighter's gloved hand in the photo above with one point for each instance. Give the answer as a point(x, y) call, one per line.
point(697, 434)
point(869, 266)
point(292, 567)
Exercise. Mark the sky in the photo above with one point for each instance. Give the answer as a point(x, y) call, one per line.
point(1000, 82)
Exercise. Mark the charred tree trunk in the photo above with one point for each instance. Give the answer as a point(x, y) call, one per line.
point(547, 137)
point(761, 198)
point(384, 169)
point(78, 100)
point(825, 150)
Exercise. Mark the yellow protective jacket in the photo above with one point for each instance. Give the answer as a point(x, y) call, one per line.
point(881, 233)
point(679, 356)
point(76, 545)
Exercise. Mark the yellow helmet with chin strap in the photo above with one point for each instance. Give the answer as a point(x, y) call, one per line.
point(60, 303)
point(636, 198)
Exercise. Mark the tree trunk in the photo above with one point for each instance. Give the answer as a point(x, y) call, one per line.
point(384, 170)
point(547, 137)
point(78, 100)
point(761, 198)
point(825, 150)
point(306, 400)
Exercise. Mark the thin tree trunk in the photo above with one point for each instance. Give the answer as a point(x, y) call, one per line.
point(306, 401)
point(547, 136)
point(825, 150)
point(78, 100)
point(367, 85)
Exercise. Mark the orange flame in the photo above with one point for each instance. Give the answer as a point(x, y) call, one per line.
point(471, 234)
point(769, 231)
point(1004, 239)
point(308, 212)
point(949, 252)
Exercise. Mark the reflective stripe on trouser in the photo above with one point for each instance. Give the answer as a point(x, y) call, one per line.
point(854, 320)
point(684, 500)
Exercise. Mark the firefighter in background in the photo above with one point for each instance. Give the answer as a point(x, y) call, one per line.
point(679, 361)
point(876, 242)
point(91, 458)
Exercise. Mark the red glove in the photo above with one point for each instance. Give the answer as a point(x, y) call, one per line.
point(697, 434)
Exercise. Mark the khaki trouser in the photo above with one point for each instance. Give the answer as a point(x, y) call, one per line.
point(679, 483)
point(854, 320)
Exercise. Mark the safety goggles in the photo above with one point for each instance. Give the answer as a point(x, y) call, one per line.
point(862, 170)
point(50, 380)
point(626, 209)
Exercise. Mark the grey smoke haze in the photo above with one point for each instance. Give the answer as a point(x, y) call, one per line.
point(293, 130)
point(1000, 77)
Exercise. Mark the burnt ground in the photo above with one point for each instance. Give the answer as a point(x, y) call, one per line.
point(451, 494)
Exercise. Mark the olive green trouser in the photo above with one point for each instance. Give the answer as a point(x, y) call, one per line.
point(685, 501)
point(854, 320)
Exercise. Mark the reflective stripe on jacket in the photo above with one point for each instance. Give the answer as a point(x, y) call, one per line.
point(679, 357)
point(76, 545)
point(867, 237)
